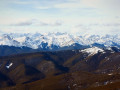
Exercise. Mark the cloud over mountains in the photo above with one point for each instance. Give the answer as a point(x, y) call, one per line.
point(61, 15)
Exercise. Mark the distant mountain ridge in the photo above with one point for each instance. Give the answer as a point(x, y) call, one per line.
point(58, 41)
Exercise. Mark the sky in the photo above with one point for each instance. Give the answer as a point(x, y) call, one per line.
point(71, 16)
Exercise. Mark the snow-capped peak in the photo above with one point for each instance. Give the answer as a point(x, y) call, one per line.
point(20, 39)
point(92, 50)
point(37, 40)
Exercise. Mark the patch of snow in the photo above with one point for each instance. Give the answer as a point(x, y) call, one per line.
point(20, 39)
point(110, 74)
point(74, 85)
point(109, 48)
point(92, 51)
point(8, 66)
point(105, 83)
point(111, 82)
point(108, 58)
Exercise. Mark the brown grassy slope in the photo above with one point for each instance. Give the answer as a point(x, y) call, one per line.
point(31, 67)
point(74, 81)
point(53, 83)
point(113, 86)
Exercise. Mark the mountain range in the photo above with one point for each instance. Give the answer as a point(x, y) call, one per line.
point(58, 41)
point(59, 61)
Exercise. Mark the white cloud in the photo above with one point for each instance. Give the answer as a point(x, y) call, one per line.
point(106, 6)
point(79, 15)
point(33, 2)
point(67, 5)
point(97, 28)
point(35, 22)
point(109, 7)
point(27, 23)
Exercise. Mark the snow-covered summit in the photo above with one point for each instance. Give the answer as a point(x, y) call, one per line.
point(92, 50)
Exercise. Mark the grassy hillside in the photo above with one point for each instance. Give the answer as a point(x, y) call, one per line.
point(73, 81)
point(59, 70)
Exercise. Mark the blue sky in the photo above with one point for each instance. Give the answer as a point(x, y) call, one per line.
point(72, 16)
